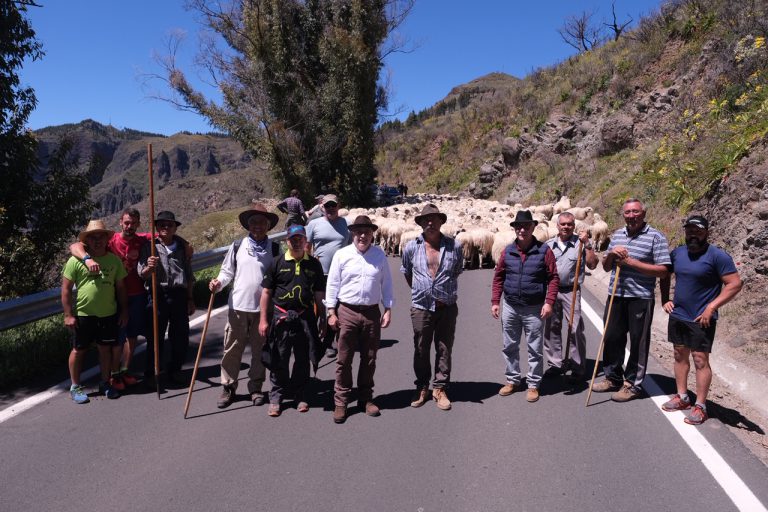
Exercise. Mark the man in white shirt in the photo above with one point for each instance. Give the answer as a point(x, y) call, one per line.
point(358, 280)
point(244, 266)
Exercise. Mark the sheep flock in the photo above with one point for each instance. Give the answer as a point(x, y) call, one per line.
point(480, 225)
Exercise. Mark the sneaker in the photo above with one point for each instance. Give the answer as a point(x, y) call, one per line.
point(508, 388)
point(302, 407)
point(78, 394)
point(441, 397)
point(340, 414)
point(698, 416)
point(626, 393)
point(605, 385)
point(259, 398)
point(117, 382)
point(677, 404)
point(274, 410)
point(226, 398)
point(107, 390)
point(532, 395)
point(128, 379)
point(420, 397)
point(370, 408)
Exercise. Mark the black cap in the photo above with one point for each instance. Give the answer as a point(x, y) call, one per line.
point(698, 221)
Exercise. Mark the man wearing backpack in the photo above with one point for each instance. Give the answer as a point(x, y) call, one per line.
point(244, 266)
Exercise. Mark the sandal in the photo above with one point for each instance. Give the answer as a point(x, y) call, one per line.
point(274, 410)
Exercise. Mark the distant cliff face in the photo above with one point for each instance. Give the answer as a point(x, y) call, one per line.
point(116, 162)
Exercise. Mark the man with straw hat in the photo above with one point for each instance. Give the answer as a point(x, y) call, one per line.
point(359, 279)
point(94, 317)
point(527, 274)
point(643, 254)
point(431, 264)
point(244, 266)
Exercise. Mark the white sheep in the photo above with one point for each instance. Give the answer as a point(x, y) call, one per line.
point(500, 241)
point(581, 213)
point(563, 204)
point(601, 233)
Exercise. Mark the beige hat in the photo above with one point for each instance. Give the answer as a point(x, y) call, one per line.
point(94, 226)
point(330, 198)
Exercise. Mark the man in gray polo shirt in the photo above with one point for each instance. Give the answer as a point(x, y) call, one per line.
point(643, 253)
point(327, 235)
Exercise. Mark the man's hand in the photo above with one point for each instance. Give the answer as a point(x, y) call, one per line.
point(214, 285)
point(122, 320)
point(263, 328)
point(333, 321)
point(705, 318)
point(620, 252)
point(546, 311)
point(386, 318)
point(584, 236)
point(669, 306)
point(191, 306)
point(495, 311)
point(70, 322)
point(152, 263)
point(93, 266)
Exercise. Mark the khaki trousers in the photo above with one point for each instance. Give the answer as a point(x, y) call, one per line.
point(242, 330)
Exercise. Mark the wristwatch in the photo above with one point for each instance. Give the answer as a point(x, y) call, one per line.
point(86, 258)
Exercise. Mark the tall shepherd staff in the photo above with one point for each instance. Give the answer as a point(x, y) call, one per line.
point(602, 340)
point(156, 341)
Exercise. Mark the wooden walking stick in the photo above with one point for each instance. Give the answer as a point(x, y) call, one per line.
point(155, 340)
point(605, 328)
point(566, 357)
point(199, 353)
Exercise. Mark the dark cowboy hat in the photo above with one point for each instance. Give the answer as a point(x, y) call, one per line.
point(166, 215)
point(428, 210)
point(523, 217)
point(257, 209)
point(362, 221)
point(94, 226)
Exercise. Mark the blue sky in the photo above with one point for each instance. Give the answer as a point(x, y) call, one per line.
point(98, 50)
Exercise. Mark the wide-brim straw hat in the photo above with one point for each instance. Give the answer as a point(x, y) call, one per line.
point(94, 226)
point(523, 217)
point(362, 221)
point(257, 209)
point(428, 210)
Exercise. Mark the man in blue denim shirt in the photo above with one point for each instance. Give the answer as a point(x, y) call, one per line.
point(431, 265)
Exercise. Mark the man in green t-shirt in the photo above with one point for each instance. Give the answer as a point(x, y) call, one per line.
point(94, 317)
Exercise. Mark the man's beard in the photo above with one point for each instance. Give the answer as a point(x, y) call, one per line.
point(695, 244)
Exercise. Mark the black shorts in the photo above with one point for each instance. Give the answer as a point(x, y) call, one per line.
point(691, 334)
point(93, 329)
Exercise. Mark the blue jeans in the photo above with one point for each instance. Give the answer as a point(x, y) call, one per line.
point(515, 319)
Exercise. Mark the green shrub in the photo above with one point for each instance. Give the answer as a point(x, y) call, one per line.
point(32, 350)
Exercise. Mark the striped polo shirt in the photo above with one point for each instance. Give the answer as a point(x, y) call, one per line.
point(648, 246)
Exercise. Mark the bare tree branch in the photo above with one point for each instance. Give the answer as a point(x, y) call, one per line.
point(579, 32)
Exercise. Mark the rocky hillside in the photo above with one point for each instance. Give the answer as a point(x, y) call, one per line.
point(193, 173)
point(674, 112)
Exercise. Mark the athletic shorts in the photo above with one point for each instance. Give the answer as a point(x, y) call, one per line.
point(691, 334)
point(93, 329)
point(137, 304)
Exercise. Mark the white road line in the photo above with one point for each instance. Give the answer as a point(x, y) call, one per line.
point(63, 387)
point(724, 475)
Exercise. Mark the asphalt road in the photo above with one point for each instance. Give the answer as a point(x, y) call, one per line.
point(488, 453)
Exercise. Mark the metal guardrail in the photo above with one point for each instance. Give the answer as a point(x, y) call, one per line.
point(16, 312)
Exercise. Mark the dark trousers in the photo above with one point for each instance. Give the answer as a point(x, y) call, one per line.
point(436, 327)
point(289, 337)
point(631, 316)
point(171, 315)
point(360, 328)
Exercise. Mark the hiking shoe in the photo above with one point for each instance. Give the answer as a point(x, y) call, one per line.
point(441, 397)
point(226, 398)
point(508, 388)
point(677, 404)
point(698, 416)
point(107, 390)
point(117, 382)
point(274, 410)
point(532, 395)
point(259, 398)
point(420, 397)
point(370, 408)
point(340, 414)
point(626, 393)
point(605, 385)
point(78, 394)
point(128, 379)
